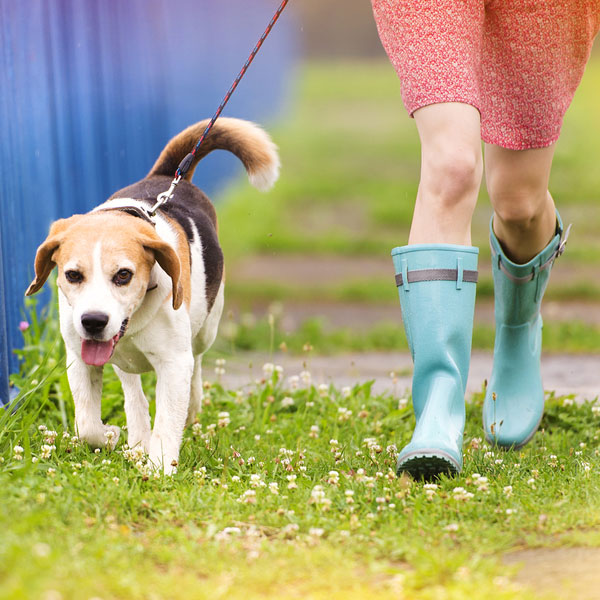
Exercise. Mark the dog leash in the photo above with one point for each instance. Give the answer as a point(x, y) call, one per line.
point(186, 163)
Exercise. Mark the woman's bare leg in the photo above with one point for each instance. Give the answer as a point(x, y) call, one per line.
point(451, 169)
point(524, 212)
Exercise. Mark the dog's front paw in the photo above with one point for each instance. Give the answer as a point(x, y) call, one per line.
point(102, 436)
point(135, 439)
point(163, 454)
point(159, 464)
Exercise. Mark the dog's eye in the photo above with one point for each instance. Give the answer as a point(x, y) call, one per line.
point(73, 276)
point(122, 277)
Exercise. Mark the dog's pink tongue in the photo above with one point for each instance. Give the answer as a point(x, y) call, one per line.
point(96, 353)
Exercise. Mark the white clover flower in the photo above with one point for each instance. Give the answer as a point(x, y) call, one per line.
point(596, 410)
point(256, 481)
point(482, 484)
point(274, 488)
point(349, 496)
point(306, 377)
point(292, 482)
point(318, 497)
point(223, 419)
point(508, 490)
point(197, 429)
point(531, 482)
point(402, 403)
point(323, 390)
point(50, 436)
point(227, 533)
point(346, 391)
point(268, 369)
point(51, 472)
point(251, 460)
point(430, 490)
point(287, 401)
point(294, 382)
point(344, 414)
point(316, 532)
point(248, 497)
point(201, 473)
point(333, 478)
point(460, 494)
point(42, 428)
point(18, 452)
point(314, 431)
point(568, 402)
point(392, 450)
point(115, 480)
point(290, 529)
point(451, 527)
point(46, 450)
point(66, 435)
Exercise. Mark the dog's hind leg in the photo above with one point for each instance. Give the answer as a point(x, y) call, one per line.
point(136, 409)
point(203, 341)
point(196, 395)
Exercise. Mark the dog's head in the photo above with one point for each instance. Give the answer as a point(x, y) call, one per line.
point(104, 262)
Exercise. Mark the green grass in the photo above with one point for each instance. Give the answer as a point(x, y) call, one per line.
point(79, 524)
point(245, 334)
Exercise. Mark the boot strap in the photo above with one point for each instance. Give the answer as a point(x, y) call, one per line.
point(534, 270)
point(436, 275)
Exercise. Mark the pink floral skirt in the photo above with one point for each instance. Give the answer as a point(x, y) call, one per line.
point(518, 62)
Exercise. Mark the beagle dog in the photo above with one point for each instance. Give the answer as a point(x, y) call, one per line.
point(146, 293)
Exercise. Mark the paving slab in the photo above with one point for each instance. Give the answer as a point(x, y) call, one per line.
point(562, 373)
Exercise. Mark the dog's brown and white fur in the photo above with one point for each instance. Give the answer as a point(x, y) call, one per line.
point(146, 296)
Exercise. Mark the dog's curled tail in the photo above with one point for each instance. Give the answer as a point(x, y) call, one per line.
point(251, 144)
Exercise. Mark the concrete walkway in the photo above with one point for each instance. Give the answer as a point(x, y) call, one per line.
point(562, 373)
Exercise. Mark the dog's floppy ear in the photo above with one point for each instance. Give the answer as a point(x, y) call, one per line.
point(43, 258)
point(167, 258)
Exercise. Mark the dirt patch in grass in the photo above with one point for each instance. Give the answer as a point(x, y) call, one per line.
point(566, 572)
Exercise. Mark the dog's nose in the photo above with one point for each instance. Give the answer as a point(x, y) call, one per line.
point(94, 322)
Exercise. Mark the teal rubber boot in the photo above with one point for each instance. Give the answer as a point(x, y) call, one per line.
point(436, 284)
point(514, 400)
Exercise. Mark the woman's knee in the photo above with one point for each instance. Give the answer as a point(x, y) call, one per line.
point(521, 210)
point(517, 183)
point(451, 176)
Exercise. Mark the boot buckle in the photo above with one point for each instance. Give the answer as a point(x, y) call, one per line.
point(563, 243)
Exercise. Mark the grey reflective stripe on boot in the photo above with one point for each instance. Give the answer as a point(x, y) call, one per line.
point(436, 275)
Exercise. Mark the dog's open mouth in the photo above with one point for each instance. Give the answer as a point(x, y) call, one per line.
point(97, 353)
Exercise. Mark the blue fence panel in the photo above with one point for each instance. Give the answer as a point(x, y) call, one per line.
point(91, 90)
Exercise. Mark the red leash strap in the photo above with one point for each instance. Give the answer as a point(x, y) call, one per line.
point(185, 164)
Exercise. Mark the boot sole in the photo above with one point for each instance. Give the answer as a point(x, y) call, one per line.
point(428, 465)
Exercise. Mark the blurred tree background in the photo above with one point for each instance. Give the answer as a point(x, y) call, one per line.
point(318, 245)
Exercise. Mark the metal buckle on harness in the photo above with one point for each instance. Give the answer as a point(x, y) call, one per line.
point(164, 196)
